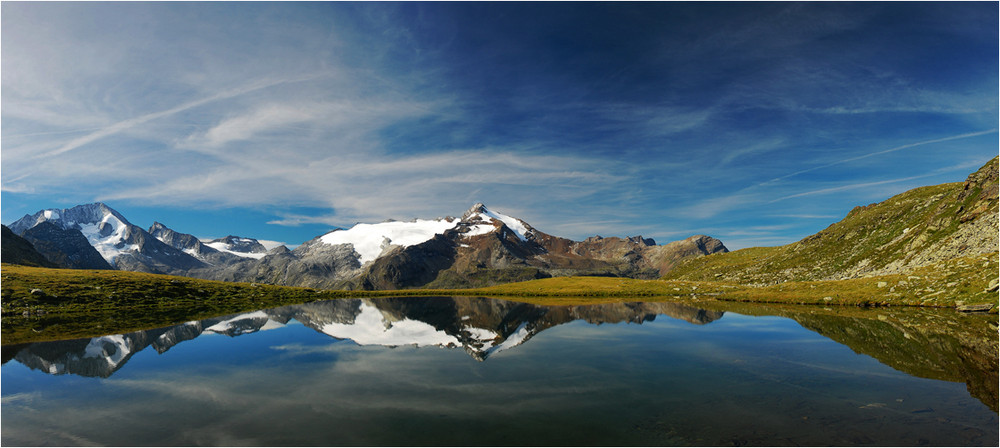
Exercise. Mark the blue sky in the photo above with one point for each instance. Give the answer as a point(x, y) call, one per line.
point(757, 123)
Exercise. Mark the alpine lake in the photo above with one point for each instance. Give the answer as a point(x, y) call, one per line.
point(467, 371)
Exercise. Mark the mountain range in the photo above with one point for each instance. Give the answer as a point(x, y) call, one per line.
point(481, 248)
point(923, 227)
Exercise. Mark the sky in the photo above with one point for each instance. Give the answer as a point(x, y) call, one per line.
point(756, 123)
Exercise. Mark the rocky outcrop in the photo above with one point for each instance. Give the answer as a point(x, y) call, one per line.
point(664, 258)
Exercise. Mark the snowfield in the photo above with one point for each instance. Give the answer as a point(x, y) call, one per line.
point(370, 240)
point(370, 327)
point(223, 247)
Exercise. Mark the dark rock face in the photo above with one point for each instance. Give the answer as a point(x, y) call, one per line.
point(410, 266)
point(189, 244)
point(154, 256)
point(178, 240)
point(66, 248)
point(17, 250)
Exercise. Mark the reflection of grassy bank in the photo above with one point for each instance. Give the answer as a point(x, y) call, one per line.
point(46, 304)
point(930, 343)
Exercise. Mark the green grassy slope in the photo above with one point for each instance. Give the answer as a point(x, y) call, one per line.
point(916, 228)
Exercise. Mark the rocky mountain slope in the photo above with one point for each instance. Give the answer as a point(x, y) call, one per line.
point(914, 229)
point(481, 248)
point(214, 253)
point(17, 250)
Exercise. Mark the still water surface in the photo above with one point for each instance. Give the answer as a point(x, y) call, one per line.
point(476, 371)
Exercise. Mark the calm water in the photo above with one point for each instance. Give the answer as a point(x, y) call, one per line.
point(471, 371)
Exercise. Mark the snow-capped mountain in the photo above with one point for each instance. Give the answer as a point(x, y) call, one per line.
point(121, 244)
point(219, 253)
point(482, 247)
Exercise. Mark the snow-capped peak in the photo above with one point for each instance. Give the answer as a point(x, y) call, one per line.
point(69, 218)
point(484, 220)
point(105, 229)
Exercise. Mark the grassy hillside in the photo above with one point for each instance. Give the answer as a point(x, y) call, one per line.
point(917, 228)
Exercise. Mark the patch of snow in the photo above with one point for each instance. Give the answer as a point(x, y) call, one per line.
point(226, 325)
point(480, 229)
point(368, 239)
point(515, 339)
point(51, 214)
point(481, 334)
point(112, 245)
point(223, 247)
point(512, 223)
point(97, 348)
point(370, 327)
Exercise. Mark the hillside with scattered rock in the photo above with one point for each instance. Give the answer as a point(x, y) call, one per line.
point(918, 228)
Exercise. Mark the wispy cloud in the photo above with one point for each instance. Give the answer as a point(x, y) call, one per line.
point(135, 121)
point(678, 117)
point(885, 151)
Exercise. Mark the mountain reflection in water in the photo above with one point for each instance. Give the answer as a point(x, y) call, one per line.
point(441, 371)
point(936, 344)
point(480, 326)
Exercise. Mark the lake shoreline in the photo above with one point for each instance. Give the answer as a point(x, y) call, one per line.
point(42, 304)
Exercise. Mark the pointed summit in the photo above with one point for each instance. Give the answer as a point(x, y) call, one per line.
point(485, 220)
point(475, 209)
point(72, 218)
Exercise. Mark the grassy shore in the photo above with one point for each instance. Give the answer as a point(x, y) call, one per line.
point(46, 304)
